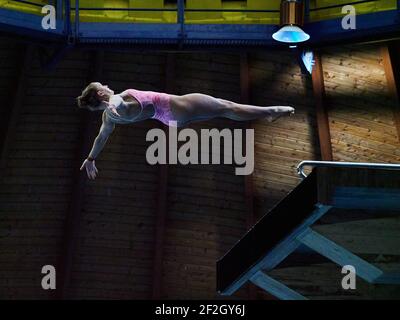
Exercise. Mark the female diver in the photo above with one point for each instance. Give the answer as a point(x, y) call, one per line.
point(134, 105)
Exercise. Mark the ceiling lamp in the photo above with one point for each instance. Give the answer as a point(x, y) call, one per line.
point(292, 18)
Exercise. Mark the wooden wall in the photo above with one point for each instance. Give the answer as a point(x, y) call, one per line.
point(360, 107)
point(206, 207)
point(276, 79)
point(10, 53)
point(36, 186)
point(117, 235)
point(205, 202)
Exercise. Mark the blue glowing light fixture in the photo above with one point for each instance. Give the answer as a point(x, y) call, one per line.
point(290, 34)
point(291, 19)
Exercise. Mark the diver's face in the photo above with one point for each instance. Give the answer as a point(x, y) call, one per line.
point(104, 90)
point(104, 93)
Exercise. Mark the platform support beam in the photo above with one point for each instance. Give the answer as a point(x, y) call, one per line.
point(340, 255)
point(280, 252)
point(275, 288)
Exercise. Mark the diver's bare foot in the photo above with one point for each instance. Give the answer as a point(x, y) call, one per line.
point(279, 111)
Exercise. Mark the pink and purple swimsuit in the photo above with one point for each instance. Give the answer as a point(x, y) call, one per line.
point(160, 101)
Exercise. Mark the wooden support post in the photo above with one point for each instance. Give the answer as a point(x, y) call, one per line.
point(322, 113)
point(248, 179)
point(275, 288)
point(162, 190)
point(15, 107)
point(280, 252)
point(391, 63)
point(72, 226)
point(339, 255)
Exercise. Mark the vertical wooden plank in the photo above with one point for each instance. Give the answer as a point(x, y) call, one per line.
point(88, 128)
point(162, 190)
point(321, 110)
point(15, 107)
point(248, 179)
point(244, 78)
point(391, 63)
point(244, 97)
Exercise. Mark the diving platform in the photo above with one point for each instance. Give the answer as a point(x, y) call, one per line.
point(292, 225)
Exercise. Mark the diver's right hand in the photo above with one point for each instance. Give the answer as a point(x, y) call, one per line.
point(91, 169)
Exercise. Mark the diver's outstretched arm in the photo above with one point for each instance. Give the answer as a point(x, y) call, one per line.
point(106, 129)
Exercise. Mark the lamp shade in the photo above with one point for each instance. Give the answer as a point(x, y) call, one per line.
point(291, 20)
point(290, 34)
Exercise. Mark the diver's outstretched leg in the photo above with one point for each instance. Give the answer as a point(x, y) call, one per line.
point(243, 112)
point(198, 106)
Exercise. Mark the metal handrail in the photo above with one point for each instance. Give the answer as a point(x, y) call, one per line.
point(217, 10)
point(124, 9)
point(181, 10)
point(301, 173)
point(175, 9)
